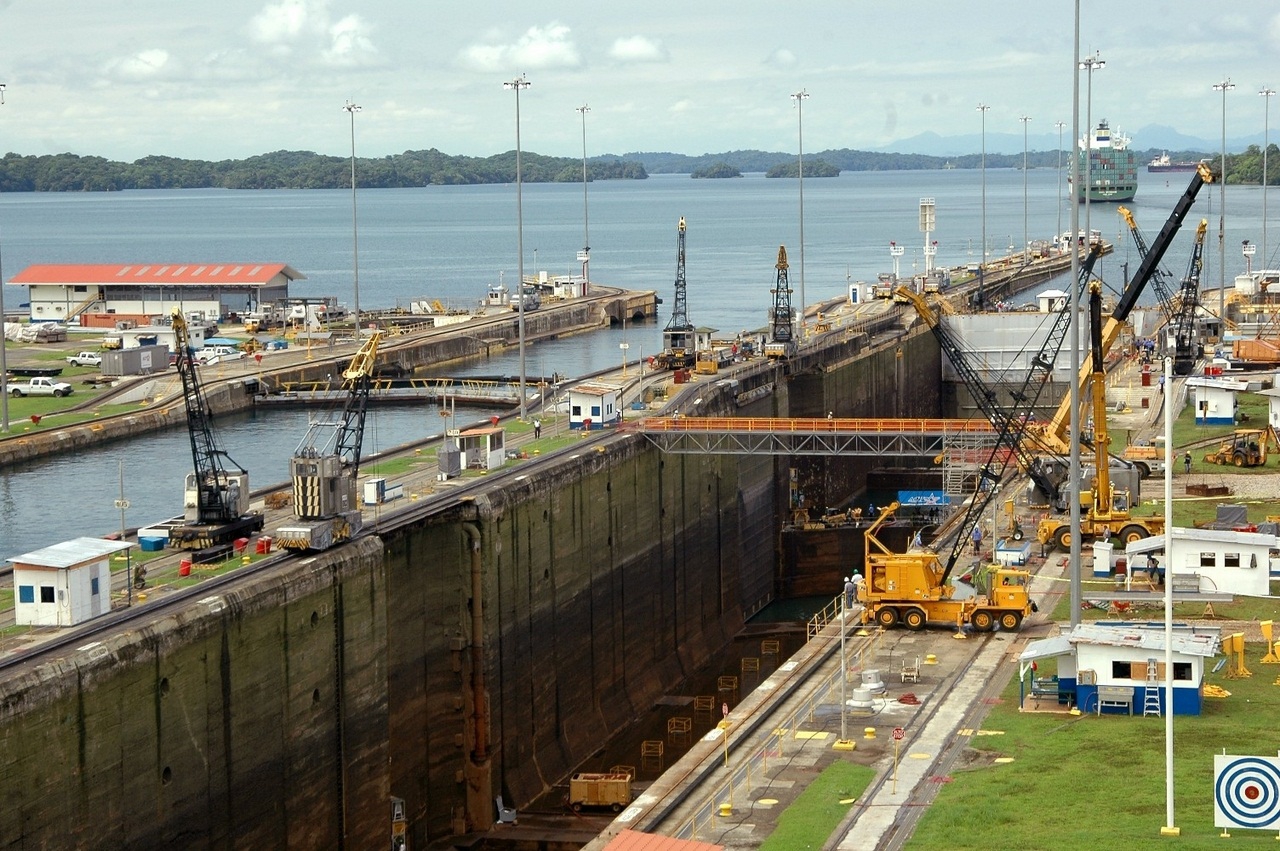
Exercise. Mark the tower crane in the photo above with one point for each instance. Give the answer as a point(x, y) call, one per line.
point(326, 464)
point(216, 492)
point(678, 337)
point(782, 319)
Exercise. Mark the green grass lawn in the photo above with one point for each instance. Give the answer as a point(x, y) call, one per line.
point(1090, 782)
point(810, 820)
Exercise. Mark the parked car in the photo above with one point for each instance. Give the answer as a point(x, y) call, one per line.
point(40, 386)
point(85, 359)
point(217, 354)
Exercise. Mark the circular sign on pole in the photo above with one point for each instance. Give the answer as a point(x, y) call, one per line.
point(899, 734)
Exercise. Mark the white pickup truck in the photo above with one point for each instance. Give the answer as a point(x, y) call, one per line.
point(85, 359)
point(40, 386)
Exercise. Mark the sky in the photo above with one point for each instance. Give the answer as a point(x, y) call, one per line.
point(125, 79)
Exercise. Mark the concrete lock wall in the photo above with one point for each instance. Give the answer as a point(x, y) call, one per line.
point(288, 712)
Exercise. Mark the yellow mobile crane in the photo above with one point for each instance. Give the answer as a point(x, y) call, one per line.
point(1106, 510)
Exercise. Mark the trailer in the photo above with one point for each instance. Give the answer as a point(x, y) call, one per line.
point(609, 789)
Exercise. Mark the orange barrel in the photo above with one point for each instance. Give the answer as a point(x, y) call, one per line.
point(241, 544)
point(184, 567)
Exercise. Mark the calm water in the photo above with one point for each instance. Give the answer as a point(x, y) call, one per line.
point(450, 243)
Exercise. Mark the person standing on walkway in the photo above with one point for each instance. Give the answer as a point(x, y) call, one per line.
point(1186, 462)
point(537, 428)
point(977, 539)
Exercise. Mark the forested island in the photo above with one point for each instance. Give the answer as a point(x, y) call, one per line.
point(308, 170)
point(716, 170)
point(297, 170)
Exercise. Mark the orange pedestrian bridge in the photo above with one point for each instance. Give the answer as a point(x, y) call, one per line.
point(818, 436)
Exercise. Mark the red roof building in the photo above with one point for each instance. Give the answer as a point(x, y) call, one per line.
point(102, 294)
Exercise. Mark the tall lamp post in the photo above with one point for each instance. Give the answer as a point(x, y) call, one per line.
point(982, 253)
point(1266, 143)
point(4, 369)
point(799, 98)
point(584, 256)
point(516, 85)
point(352, 109)
point(1089, 64)
point(1059, 125)
point(1225, 86)
point(1026, 239)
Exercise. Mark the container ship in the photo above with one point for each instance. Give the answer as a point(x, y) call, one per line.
point(1113, 168)
point(1163, 163)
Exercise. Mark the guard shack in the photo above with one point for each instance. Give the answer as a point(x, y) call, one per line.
point(483, 448)
point(64, 584)
point(594, 405)
point(1118, 667)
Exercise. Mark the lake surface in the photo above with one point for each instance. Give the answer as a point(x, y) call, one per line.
point(451, 242)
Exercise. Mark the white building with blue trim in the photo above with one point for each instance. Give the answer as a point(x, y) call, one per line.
point(1214, 399)
point(1109, 667)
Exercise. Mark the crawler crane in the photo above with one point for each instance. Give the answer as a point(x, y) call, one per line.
point(324, 470)
point(216, 492)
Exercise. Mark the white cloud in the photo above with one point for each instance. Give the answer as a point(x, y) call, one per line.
point(144, 65)
point(538, 47)
point(781, 58)
point(638, 48)
point(348, 43)
point(283, 21)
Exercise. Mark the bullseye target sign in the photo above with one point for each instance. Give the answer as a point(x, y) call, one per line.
point(1246, 791)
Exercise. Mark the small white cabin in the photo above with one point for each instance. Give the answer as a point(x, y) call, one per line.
point(64, 584)
point(1052, 301)
point(595, 405)
point(483, 448)
point(1220, 560)
point(1214, 399)
point(1116, 667)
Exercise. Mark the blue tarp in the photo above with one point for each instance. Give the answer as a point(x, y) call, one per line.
point(926, 498)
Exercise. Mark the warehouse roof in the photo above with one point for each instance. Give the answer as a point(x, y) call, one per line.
point(155, 274)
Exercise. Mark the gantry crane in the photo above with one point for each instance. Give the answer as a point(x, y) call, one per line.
point(782, 319)
point(326, 464)
point(216, 492)
point(678, 343)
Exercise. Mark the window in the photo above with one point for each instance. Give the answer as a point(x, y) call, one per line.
point(93, 586)
point(1182, 670)
point(1208, 559)
point(26, 593)
point(1121, 669)
point(595, 410)
point(46, 593)
point(1231, 559)
point(576, 411)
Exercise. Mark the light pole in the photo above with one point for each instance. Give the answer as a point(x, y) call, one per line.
point(1225, 86)
point(799, 98)
point(982, 253)
point(352, 109)
point(584, 256)
point(1059, 125)
point(1026, 240)
point(516, 85)
point(1266, 143)
point(1088, 64)
point(4, 369)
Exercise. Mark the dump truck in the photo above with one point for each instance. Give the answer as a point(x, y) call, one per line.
point(608, 789)
point(912, 589)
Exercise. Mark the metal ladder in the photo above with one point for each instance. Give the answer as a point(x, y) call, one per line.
point(1151, 694)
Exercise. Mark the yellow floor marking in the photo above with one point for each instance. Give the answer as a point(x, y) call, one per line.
point(1003, 759)
point(805, 734)
point(767, 802)
point(848, 800)
point(990, 733)
point(919, 755)
point(965, 731)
